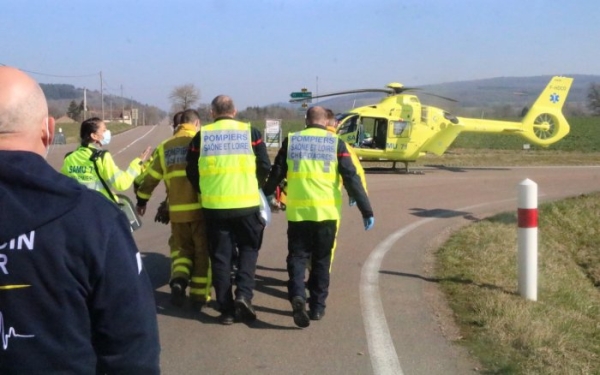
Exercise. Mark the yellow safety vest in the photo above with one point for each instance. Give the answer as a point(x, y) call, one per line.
point(169, 165)
point(227, 166)
point(313, 191)
point(78, 165)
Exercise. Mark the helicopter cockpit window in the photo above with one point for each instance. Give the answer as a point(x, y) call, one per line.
point(349, 123)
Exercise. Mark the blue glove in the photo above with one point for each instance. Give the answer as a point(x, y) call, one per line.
point(369, 222)
point(351, 202)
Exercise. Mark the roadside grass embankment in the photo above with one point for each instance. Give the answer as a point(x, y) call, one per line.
point(559, 333)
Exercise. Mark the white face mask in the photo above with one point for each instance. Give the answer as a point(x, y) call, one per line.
point(105, 138)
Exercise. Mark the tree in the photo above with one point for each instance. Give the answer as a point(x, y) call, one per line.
point(204, 112)
point(184, 97)
point(74, 110)
point(55, 110)
point(594, 98)
point(152, 115)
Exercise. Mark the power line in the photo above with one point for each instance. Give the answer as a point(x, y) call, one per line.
point(56, 75)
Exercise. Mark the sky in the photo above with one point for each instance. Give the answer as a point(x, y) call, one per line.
point(259, 51)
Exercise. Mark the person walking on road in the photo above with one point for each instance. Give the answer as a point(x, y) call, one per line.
point(228, 161)
point(94, 167)
point(188, 227)
point(75, 297)
point(162, 212)
point(315, 162)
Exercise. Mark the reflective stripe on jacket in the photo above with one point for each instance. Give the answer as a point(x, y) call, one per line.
point(169, 165)
point(78, 165)
point(227, 166)
point(314, 186)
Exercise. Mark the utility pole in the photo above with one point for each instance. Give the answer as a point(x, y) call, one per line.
point(84, 103)
point(102, 94)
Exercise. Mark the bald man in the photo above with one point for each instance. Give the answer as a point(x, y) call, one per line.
point(74, 296)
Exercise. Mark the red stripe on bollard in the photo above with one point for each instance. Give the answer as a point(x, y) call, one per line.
point(528, 217)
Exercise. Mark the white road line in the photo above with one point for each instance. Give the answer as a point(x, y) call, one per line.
point(136, 140)
point(384, 358)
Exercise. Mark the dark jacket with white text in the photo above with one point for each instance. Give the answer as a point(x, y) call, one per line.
point(74, 297)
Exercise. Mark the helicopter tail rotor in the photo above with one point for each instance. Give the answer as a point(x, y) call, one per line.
point(544, 124)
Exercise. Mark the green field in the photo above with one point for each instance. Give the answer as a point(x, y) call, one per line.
point(583, 137)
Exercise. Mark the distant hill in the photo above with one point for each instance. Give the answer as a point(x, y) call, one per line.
point(516, 92)
point(59, 97)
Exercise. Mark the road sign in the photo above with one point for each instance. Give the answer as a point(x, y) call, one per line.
point(298, 95)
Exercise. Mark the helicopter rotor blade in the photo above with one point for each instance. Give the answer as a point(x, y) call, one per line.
point(386, 91)
point(441, 97)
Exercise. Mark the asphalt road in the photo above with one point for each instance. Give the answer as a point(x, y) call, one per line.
point(385, 314)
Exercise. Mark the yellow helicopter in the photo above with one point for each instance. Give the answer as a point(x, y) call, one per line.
point(401, 129)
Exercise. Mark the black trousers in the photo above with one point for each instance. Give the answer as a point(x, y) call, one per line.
point(310, 241)
point(225, 235)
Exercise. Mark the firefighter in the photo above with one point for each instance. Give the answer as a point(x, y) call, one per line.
point(162, 213)
point(315, 163)
point(188, 227)
point(94, 167)
point(228, 161)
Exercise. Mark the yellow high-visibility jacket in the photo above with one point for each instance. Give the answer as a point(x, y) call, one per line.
point(78, 165)
point(227, 166)
point(169, 165)
point(314, 183)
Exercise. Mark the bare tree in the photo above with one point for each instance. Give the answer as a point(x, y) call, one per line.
point(184, 97)
point(594, 98)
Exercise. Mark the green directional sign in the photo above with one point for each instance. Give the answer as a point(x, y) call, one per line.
point(301, 94)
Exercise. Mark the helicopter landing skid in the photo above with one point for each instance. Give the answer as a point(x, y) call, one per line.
point(394, 169)
point(405, 170)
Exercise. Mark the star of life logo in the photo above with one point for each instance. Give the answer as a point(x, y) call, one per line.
point(554, 98)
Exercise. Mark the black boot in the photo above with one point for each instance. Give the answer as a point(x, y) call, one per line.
point(178, 286)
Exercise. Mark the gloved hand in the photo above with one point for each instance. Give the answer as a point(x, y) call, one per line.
point(351, 202)
point(369, 222)
point(162, 213)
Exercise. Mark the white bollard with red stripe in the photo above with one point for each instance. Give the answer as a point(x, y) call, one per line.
point(528, 239)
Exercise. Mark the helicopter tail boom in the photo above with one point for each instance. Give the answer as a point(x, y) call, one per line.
point(544, 123)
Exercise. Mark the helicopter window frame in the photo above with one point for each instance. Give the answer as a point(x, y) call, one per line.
point(401, 128)
point(350, 123)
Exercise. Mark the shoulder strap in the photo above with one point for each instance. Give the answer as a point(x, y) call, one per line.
point(94, 157)
point(97, 154)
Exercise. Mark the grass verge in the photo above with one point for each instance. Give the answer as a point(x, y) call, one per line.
point(71, 130)
point(558, 334)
